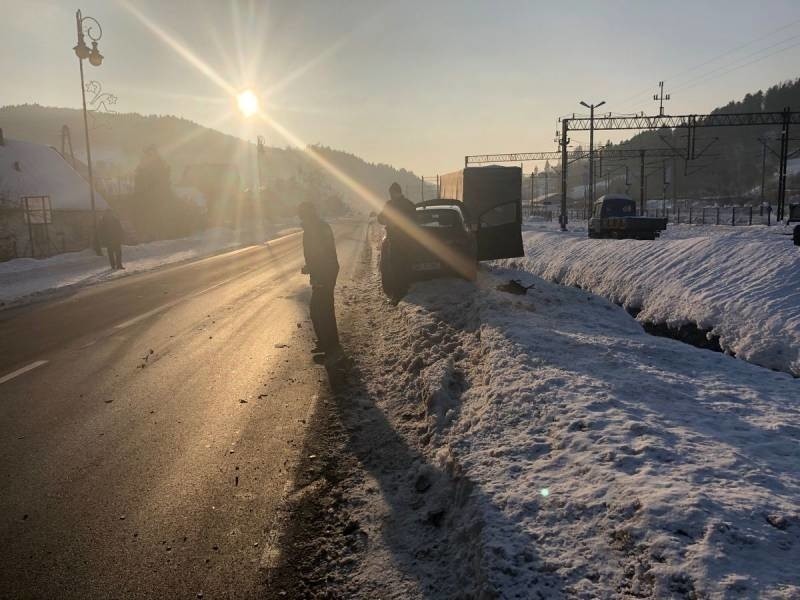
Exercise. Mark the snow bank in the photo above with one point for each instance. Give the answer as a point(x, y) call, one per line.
point(738, 282)
point(24, 278)
point(606, 462)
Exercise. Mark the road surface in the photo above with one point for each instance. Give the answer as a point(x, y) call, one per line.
point(149, 424)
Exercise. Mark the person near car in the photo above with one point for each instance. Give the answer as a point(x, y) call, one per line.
point(322, 266)
point(398, 218)
point(111, 235)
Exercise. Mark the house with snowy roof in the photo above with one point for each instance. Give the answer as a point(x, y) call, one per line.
point(44, 202)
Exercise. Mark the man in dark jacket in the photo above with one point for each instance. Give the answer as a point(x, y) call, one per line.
point(322, 265)
point(398, 217)
point(111, 235)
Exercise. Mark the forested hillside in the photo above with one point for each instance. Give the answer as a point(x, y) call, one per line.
point(119, 141)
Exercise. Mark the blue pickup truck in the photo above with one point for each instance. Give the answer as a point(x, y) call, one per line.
point(614, 216)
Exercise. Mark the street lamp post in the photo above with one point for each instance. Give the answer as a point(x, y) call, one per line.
point(88, 27)
point(591, 108)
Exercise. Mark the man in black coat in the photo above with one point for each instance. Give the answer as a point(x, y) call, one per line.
point(322, 265)
point(111, 235)
point(398, 217)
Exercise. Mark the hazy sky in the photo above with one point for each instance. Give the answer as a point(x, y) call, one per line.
point(414, 84)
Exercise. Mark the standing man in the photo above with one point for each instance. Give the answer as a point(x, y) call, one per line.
point(322, 265)
point(111, 235)
point(398, 217)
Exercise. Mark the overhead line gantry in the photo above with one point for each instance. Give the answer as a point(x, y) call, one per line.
point(784, 119)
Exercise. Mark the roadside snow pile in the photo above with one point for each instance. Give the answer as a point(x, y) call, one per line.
point(738, 283)
point(22, 278)
point(604, 462)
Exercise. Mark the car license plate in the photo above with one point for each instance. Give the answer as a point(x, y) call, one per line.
point(427, 266)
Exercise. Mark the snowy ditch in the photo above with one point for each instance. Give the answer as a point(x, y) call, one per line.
point(731, 289)
point(545, 446)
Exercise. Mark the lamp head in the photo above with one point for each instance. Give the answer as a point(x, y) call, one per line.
point(584, 104)
point(95, 58)
point(81, 50)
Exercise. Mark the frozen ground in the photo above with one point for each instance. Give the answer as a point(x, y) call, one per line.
point(545, 446)
point(740, 283)
point(24, 279)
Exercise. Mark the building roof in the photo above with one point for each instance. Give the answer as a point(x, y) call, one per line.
point(28, 169)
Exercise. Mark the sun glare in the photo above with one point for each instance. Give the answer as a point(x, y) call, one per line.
point(248, 103)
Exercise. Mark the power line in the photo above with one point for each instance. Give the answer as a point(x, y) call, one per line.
point(697, 66)
point(707, 77)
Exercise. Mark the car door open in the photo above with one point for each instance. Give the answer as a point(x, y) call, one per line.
point(499, 232)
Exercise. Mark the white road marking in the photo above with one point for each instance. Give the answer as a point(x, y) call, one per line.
point(208, 289)
point(23, 370)
point(142, 316)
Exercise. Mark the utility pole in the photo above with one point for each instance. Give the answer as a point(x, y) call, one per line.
point(763, 165)
point(587, 185)
point(591, 108)
point(545, 183)
point(784, 156)
point(627, 179)
point(673, 182)
point(260, 150)
point(564, 141)
point(660, 97)
point(600, 174)
point(422, 189)
point(532, 192)
point(642, 183)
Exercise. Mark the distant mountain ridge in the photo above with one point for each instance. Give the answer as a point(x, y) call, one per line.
point(118, 140)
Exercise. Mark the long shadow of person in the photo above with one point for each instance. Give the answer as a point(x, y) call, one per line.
point(430, 516)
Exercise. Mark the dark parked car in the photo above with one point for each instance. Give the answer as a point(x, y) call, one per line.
point(447, 247)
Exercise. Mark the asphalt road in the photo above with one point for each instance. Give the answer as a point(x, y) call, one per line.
point(149, 424)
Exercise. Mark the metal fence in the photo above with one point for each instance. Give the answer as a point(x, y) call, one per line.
point(715, 215)
point(706, 215)
point(551, 214)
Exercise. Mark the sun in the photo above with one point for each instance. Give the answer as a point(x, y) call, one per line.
point(247, 102)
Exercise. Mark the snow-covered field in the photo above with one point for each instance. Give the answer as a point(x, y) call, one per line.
point(569, 454)
point(23, 279)
point(741, 283)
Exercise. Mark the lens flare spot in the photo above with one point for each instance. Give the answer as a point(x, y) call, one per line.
point(545, 492)
point(247, 102)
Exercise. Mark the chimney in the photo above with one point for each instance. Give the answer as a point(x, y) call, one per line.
point(2, 139)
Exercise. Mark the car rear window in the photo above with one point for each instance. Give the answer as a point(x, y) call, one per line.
point(618, 207)
point(438, 218)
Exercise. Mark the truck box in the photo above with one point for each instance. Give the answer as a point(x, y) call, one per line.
point(492, 199)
